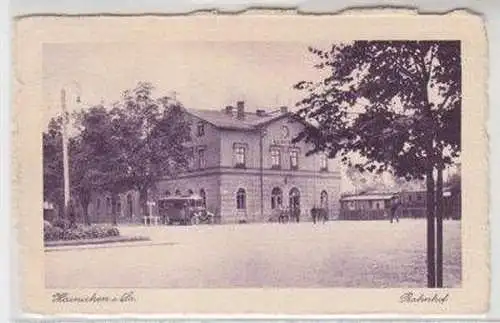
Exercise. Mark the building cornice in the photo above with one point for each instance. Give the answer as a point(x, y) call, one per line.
point(256, 172)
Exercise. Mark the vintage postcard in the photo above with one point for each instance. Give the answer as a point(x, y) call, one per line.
point(265, 163)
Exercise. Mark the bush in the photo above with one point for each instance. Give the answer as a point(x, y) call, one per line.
point(53, 233)
point(46, 225)
point(61, 223)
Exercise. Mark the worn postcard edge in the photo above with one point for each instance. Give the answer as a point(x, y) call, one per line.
point(31, 33)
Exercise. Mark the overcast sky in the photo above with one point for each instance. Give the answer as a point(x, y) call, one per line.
point(206, 75)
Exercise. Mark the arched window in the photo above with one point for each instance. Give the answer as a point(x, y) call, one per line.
point(204, 197)
point(167, 193)
point(294, 199)
point(190, 192)
point(177, 192)
point(241, 199)
point(98, 203)
point(276, 198)
point(324, 200)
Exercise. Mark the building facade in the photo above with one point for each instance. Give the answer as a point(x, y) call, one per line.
point(245, 166)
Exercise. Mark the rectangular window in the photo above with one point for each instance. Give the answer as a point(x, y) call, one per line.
point(275, 158)
point(294, 159)
point(191, 159)
point(201, 159)
point(323, 162)
point(240, 156)
point(201, 129)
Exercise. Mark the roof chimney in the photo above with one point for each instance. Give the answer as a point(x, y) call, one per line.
point(260, 112)
point(240, 105)
point(229, 109)
point(283, 109)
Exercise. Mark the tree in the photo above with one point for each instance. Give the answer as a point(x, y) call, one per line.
point(53, 163)
point(397, 105)
point(94, 157)
point(151, 134)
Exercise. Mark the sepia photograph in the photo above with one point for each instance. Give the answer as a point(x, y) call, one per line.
point(261, 164)
point(229, 164)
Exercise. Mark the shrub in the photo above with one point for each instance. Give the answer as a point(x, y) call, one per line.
point(52, 233)
point(47, 225)
point(61, 223)
point(113, 232)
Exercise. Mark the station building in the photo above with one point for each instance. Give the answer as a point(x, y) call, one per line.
point(245, 165)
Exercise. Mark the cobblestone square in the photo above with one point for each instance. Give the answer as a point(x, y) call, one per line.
point(362, 254)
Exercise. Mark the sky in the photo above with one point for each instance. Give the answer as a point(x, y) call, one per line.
point(205, 75)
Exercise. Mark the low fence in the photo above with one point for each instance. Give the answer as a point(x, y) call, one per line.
point(450, 212)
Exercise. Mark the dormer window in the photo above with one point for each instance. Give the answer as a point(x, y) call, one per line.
point(323, 163)
point(200, 129)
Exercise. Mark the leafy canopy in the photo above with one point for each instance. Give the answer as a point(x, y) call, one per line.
point(394, 104)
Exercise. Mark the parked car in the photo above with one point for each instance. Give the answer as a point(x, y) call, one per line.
point(185, 210)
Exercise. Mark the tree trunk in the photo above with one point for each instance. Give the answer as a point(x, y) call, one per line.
point(439, 228)
point(85, 197)
point(85, 207)
point(143, 198)
point(431, 260)
point(114, 209)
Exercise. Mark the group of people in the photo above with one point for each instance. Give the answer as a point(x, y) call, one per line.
point(285, 214)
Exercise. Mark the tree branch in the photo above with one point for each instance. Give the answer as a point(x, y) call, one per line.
point(406, 72)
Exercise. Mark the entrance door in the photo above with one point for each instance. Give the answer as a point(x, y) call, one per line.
point(294, 203)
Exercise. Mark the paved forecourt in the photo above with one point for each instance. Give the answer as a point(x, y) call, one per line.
point(336, 254)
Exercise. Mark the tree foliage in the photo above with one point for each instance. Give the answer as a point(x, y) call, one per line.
point(151, 133)
point(395, 103)
point(128, 146)
point(53, 163)
point(395, 106)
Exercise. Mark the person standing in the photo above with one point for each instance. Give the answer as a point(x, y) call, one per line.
point(394, 209)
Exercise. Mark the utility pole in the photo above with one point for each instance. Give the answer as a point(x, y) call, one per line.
point(65, 152)
point(65, 140)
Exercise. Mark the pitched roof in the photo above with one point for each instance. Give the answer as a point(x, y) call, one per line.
point(221, 119)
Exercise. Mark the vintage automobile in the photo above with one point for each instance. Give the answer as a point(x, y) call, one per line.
point(185, 210)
